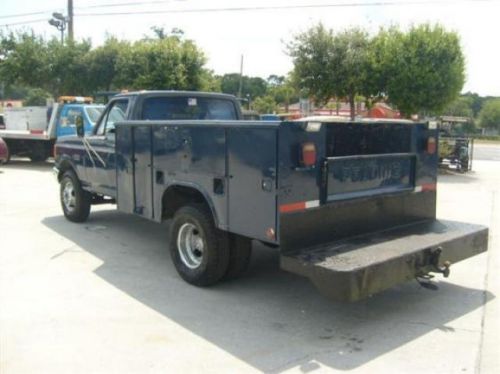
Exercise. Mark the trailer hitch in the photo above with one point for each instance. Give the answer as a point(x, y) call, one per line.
point(430, 262)
point(435, 254)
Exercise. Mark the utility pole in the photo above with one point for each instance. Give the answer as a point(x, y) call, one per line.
point(70, 20)
point(241, 77)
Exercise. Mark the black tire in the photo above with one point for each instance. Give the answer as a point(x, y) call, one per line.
point(38, 152)
point(208, 265)
point(240, 251)
point(78, 209)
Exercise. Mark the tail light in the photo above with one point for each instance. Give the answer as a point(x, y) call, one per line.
point(431, 145)
point(308, 156)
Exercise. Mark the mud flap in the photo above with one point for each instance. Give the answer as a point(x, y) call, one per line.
point(357, 267)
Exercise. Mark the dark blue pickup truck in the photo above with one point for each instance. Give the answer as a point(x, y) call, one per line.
point(350, 205)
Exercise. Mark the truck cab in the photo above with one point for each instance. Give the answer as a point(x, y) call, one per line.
point(95, 160)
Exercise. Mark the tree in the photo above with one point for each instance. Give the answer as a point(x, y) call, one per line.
point(251, 86)
point(424, 69)
point(23, 59)
point(36, 97)
point(332, 65)
point(283, 91)
point(264, 104)
point(101, 64)
point(67, 71)
point(169, 63)
point(489, 117)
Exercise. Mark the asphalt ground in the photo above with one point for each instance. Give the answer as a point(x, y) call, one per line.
point(104, 297)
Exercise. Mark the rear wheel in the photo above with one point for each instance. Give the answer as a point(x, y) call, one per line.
point(198, 249)
point(38, 152)
point(75, 201)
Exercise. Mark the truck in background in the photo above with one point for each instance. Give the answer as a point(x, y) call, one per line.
point(32, 131)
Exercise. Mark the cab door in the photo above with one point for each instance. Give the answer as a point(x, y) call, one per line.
point(67, 118)
point(101, 155)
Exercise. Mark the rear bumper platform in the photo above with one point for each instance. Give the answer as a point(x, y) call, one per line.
point(354, 268)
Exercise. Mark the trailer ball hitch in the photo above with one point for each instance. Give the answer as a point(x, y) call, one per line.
point(435, 254)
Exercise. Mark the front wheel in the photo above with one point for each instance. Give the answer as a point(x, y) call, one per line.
point(75, 201)
point(199, 251)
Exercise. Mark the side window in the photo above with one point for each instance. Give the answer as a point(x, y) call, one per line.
point(116, 112)
point(72, 114)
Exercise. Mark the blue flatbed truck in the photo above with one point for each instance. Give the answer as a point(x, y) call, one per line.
point(32, 131)
point(350, 205)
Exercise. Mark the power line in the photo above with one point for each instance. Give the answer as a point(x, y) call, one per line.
point(24, 22)
point(25, 14)
point(281, 7)
point(132, 3)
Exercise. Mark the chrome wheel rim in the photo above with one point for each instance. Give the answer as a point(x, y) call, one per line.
point(190, 245)
point(68, 196)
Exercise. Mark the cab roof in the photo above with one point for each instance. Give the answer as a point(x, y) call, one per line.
point(176, 93)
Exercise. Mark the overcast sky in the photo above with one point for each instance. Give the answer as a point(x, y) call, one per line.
point(260, 35)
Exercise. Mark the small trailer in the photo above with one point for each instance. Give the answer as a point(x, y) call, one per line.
point(349, 204)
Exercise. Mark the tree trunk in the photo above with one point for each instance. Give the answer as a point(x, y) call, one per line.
point(352, 106)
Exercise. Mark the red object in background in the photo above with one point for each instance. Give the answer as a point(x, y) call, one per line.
point(4, 151)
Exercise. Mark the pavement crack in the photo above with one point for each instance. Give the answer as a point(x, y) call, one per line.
point(67, 250)
point(492, 229)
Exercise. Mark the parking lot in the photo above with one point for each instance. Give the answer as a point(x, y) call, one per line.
point(104, 297)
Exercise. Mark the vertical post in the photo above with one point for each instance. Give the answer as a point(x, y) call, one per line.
point(241, 77)
point(62, 35)
point(70, 20)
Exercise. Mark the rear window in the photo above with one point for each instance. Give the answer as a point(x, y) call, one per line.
point(187, 108)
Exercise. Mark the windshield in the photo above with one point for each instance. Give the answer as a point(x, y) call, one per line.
point(94, 112)
point(186, 108)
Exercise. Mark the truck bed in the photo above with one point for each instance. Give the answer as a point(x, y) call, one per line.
point(354, 268)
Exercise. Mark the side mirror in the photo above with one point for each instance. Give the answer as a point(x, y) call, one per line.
point(80, 131)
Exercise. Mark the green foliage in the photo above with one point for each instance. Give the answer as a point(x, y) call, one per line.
point(314, 70)
point(68, 74)
point(101, 64)
point(425, 69)
point(161, 64)
point(332, 65)
point(265, 104)
point(476, 102)
point(461, 107)
point(489, 117)
point(251, 86)
point(74, 68)
point(24, 59)
point(422, 70)
point(36, 97)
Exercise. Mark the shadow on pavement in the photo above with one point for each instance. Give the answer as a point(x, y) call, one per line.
point(452, 177)
point(27, 164)
point(270, 319)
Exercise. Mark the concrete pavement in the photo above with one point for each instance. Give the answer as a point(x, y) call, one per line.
point(104, 297)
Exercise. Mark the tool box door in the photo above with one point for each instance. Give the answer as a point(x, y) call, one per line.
point(252, 182)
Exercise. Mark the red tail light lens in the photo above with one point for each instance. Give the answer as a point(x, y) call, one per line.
point(308, 154)
point(431, 145)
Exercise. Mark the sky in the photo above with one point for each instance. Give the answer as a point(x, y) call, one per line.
point(261, 35)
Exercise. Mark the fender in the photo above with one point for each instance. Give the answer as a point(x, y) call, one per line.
point(193, 186)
